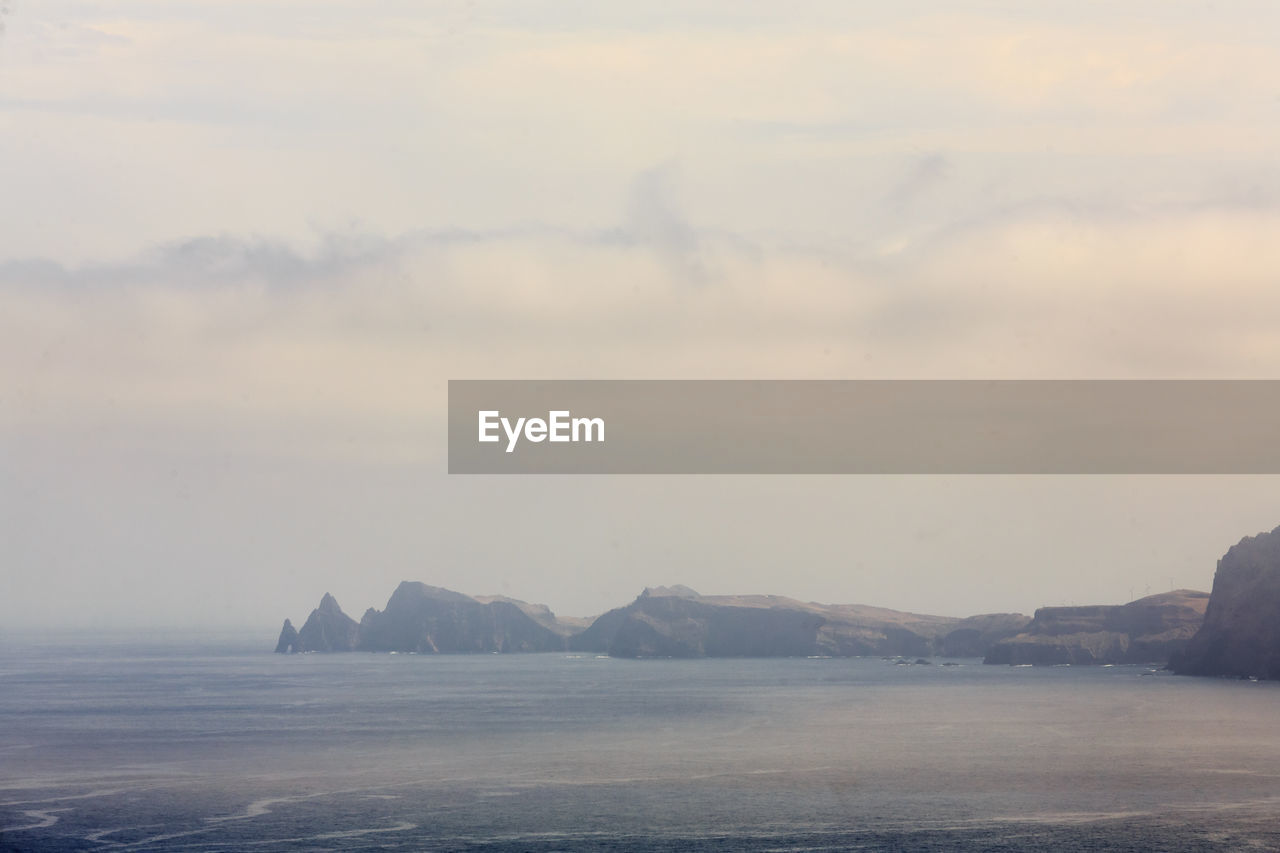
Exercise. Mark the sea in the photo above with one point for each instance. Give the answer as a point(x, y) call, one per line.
point(151, 743)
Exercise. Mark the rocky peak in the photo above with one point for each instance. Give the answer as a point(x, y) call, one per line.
point(288, 641)
point(327, 629)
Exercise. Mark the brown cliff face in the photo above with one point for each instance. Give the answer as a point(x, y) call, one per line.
point(1149, 630)
point(1241, 632)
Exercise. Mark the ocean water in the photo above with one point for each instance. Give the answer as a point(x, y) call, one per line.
point(213, 746)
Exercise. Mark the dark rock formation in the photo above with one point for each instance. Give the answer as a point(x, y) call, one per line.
point(663, 622)
point(428, 619)
point(678, 626)
point(1240, 636)
point(677, 622)
point(599, 634)
point(1149, 630)
point(288, 641)
point(327, 629)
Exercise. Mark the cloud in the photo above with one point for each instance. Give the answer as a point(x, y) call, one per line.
point(654, 222)
point(127, 125)
point(937, 194)
point(296, 351)
point(921, 175)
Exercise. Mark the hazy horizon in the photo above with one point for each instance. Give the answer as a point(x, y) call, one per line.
point(246, 245)
point(1034, 558)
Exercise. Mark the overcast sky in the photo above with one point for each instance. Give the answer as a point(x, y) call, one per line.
point(243, 245)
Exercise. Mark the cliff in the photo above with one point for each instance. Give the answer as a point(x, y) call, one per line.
point(661, 622)
point(678, 622)
point(1149, 630)
point(563, 625)
point(1240, 636)
point(430, 620)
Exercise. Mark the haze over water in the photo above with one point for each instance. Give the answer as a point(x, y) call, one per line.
point(150, 747)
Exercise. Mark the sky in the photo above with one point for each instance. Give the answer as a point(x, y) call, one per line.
point(244, 246)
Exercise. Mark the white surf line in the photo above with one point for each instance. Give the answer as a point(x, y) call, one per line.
point(261, 807)
point(1240, 772)
point(46, 818)
point(258, 808)
point(1237, 805)
point(1062, 818)
point(104, 792)
point(99, 835)
point(156, 839)
point(403, 826)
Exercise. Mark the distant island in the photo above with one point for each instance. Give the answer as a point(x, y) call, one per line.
point(678, 622)
point(1233, 631)
point(661, 622)
point(431, 620)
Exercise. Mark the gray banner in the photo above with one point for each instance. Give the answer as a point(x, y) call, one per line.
point(864, 427)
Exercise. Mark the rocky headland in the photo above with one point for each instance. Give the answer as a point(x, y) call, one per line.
point(1240, 636)
point(429, 620)
point(678, 622)
point(1149, 630)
